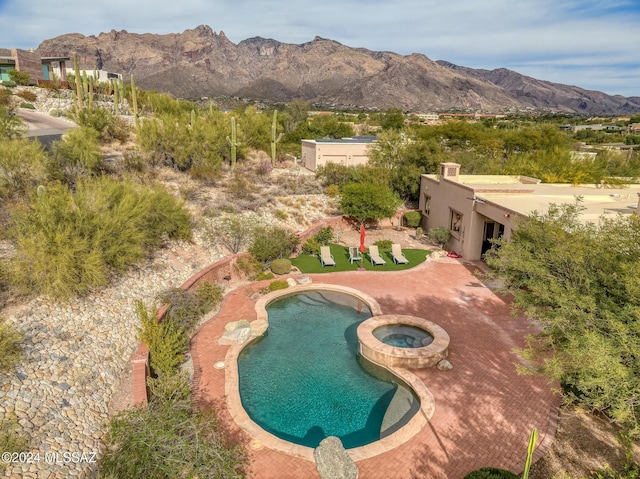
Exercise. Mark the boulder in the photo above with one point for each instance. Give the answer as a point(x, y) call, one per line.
point(233, 325)
point(291, 282)
point(304, 280)
point(236, 336)
point(444, 365)
point(332, 460)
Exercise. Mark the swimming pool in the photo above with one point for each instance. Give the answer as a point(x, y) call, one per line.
point(302, 381)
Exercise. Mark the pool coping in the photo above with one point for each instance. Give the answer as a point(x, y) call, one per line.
point(426, 356)
point(261, 438)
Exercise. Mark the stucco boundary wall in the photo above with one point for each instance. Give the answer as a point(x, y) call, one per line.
point(222, 271)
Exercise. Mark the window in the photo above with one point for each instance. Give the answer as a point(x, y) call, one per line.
point(427, 204)
point(456, 222)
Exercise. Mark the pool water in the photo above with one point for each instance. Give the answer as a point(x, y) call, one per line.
point(302, 382)
point(403, 336)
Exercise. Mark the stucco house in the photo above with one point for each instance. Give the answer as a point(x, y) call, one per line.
point(346, 151)
point(478, 208)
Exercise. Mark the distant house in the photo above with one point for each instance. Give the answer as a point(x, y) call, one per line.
point(103, 76)
point(346, 151)
point(479, 208)
point(40, 67)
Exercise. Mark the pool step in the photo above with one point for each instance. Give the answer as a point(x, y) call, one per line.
point(317, 298)
point(402, 407)
point(313, 299)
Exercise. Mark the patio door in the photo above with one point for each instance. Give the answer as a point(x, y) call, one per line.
point(492, 230)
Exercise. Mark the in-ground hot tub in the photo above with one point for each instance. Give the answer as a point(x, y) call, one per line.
point(404, 341)
point(403, 336)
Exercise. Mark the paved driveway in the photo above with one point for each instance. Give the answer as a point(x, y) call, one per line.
point(484, 410)
point(45, 128)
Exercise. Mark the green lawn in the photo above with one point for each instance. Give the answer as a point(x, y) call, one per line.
point(311, 264)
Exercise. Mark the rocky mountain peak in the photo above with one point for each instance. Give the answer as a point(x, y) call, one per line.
point(322, 71)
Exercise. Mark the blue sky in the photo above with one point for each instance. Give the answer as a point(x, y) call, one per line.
point(591, 44)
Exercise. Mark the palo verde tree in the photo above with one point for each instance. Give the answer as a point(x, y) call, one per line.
point(580, 283)
point(367, 201)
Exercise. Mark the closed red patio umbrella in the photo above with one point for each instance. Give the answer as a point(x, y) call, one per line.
point(362, 248)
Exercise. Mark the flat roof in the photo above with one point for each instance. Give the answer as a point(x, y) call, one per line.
point(515, 194)
point(354, 139)
point(597, 202)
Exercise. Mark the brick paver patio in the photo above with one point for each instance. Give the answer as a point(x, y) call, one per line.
point(484, 410)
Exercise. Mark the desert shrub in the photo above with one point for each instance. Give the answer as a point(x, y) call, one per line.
point(117, 129)
point(27, 95)
point(109, 126)
point(311, 246)
point(10, 339)
point(77, 154)
point(56, 112)
point(20, 78)
point(132, 161)
point(171, 439)
point(272, 242)
point(281, 215)
point(11, 126)
point(234, 232)
point(491, 473)
point(5, 97)
point(9, 83)
point(325, 235)
point(264, 276)
point(69, 242)
point(209, 295)
point(170, 389)
point(281, 266)
point(334, 174)
point(185, 308)
point(248, 266)
point(23, 164)
point(384, 244)
point(27, 106)
point(298, 185)
point(11, 440)
point(439, 235)
point(322, 238)
point(262, 169)
point(277, 285)
point(332, 190)
point(412, 219)
point(419, 232)
point(205, 171)
point(167, 342)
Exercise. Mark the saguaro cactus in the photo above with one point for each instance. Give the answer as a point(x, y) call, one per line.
point(76, 69)
point(134, 100)
point(274, 140)
point(233, 142)
point(116, 100)
point(90, 88)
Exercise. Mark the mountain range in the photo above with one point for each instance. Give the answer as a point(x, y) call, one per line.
point(200, 62)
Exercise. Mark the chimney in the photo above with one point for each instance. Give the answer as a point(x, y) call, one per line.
point(450, 171)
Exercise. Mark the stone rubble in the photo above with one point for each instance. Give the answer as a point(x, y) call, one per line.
point(73, 355)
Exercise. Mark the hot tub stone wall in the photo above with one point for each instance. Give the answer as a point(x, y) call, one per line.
point(375, 350)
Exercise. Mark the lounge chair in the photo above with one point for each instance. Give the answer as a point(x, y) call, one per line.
point(354, 254)
point(397, 254)
point(374, 256)
point(326, 258)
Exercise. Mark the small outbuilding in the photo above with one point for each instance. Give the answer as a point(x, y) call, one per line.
point(345, 151)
